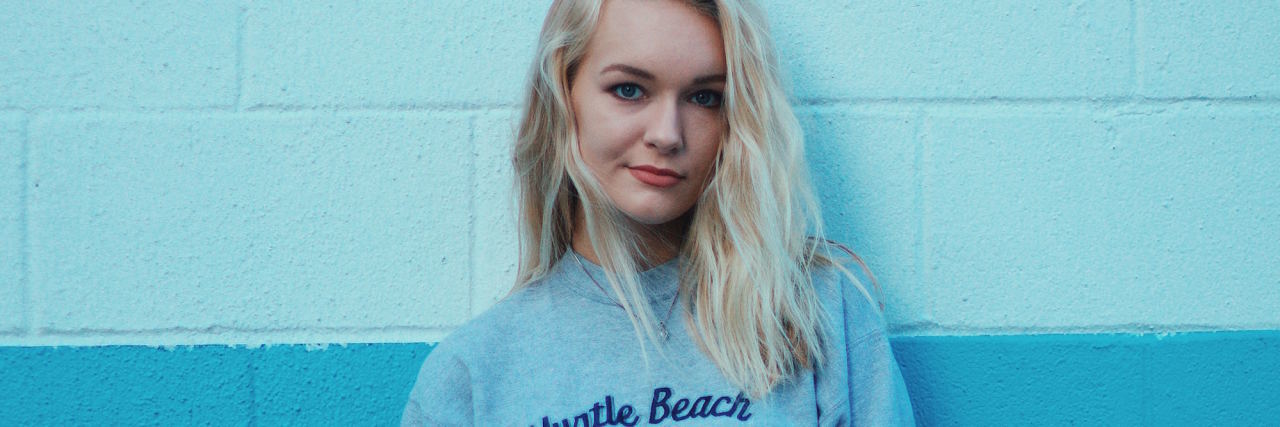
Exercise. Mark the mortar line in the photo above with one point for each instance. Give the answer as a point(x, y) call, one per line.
point(930, 328)
point(1135, 88)
point(24, 231)
point(241, 17)
point(918, 198)
point(471, 210)
point(227, 330)
point(1035, 102)
point(905, 103)
point(925, 329)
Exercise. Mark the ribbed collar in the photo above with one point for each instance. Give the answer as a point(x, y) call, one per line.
point(660, 283)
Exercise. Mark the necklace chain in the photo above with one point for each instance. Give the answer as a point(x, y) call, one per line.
point(662, 324)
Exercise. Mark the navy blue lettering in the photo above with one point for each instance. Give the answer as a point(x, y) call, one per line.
point(660, 396)
point(714, 407)
point(743, 415)
point(595, 415)
point(701, 407)
point(665, 405)
point(677, 411)
point(627, 416)
point(608, 411)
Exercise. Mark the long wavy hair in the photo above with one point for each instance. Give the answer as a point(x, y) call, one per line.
point(754, 234)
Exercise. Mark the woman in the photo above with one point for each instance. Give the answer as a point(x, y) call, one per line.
point(668, 271)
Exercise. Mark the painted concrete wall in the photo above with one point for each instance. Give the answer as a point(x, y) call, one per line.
point(249, 172)
point(294, 172)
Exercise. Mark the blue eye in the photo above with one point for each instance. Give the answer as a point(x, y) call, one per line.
point(706, 98)
point(627, 91)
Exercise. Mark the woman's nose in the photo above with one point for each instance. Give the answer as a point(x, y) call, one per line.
point(663, 130)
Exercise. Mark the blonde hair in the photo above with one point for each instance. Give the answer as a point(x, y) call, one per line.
point(754, 235)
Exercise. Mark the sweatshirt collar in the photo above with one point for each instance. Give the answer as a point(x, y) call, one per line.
point(659, 283)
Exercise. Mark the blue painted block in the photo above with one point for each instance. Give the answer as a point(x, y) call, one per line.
point(1024, 380)
point(863, 168)
point(247, 222)
point(1203, 378)
point(454, 52)
point(954, 49)
point(1209, 378)
point(1213, 379)
point(118, 54)
point(1209, 49)
point(12, 285)
point(357, 384)
point(205, 385)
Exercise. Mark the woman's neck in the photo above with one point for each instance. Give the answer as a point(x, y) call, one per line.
point(661, 242)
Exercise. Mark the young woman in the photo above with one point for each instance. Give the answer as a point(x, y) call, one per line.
point(669, 271)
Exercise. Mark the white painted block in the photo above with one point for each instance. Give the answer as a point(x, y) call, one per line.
point(261, 222)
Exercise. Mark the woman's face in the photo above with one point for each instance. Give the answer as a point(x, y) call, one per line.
point(647, 99)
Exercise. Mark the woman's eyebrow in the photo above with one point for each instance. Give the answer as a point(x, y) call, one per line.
point(624, 68)
point(629, 70)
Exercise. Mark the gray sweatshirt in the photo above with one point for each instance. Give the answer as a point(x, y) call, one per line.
point(560, 353)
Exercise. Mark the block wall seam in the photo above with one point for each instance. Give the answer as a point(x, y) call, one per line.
point(1030, 102)
point(1134, 60)
point(922, 232)
point(242, 15)
point(24, 243)
point(933, 329)
point(918, 198)
point(903, 104)
point(374, 107)
point(471, 211)
point(229, 337)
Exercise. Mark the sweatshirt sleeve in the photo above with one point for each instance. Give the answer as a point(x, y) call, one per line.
point(877, 393)
point(441, 395)
point(863, 386)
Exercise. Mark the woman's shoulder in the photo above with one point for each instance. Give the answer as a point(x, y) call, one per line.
point(500, 323)
point(848, 290)
point(477, 352)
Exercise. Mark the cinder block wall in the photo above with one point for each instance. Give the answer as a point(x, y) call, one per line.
point(246, 172)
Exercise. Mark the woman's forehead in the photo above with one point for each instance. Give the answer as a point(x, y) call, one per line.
point(660, 36)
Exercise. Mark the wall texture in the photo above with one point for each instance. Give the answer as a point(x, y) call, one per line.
point(1034, 182)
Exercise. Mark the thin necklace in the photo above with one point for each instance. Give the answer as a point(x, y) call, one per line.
point(662, 324)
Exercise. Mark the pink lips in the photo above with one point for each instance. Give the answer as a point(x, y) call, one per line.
point(654, 176)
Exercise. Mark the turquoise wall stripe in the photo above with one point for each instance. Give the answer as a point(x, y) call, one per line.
point(1196, 379)
point(1209, 378)
point(125, 386)
point(358, 384)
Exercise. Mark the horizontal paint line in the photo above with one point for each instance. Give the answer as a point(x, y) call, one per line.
point(1074, 100)
point(1200, 378)
point(1133, 329)
point(219, 336)
point(228, 337)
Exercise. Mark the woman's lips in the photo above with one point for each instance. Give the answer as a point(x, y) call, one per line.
point(654, 176)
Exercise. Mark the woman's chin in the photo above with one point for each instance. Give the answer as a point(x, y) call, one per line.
point(653, 217)
point(651, 220)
